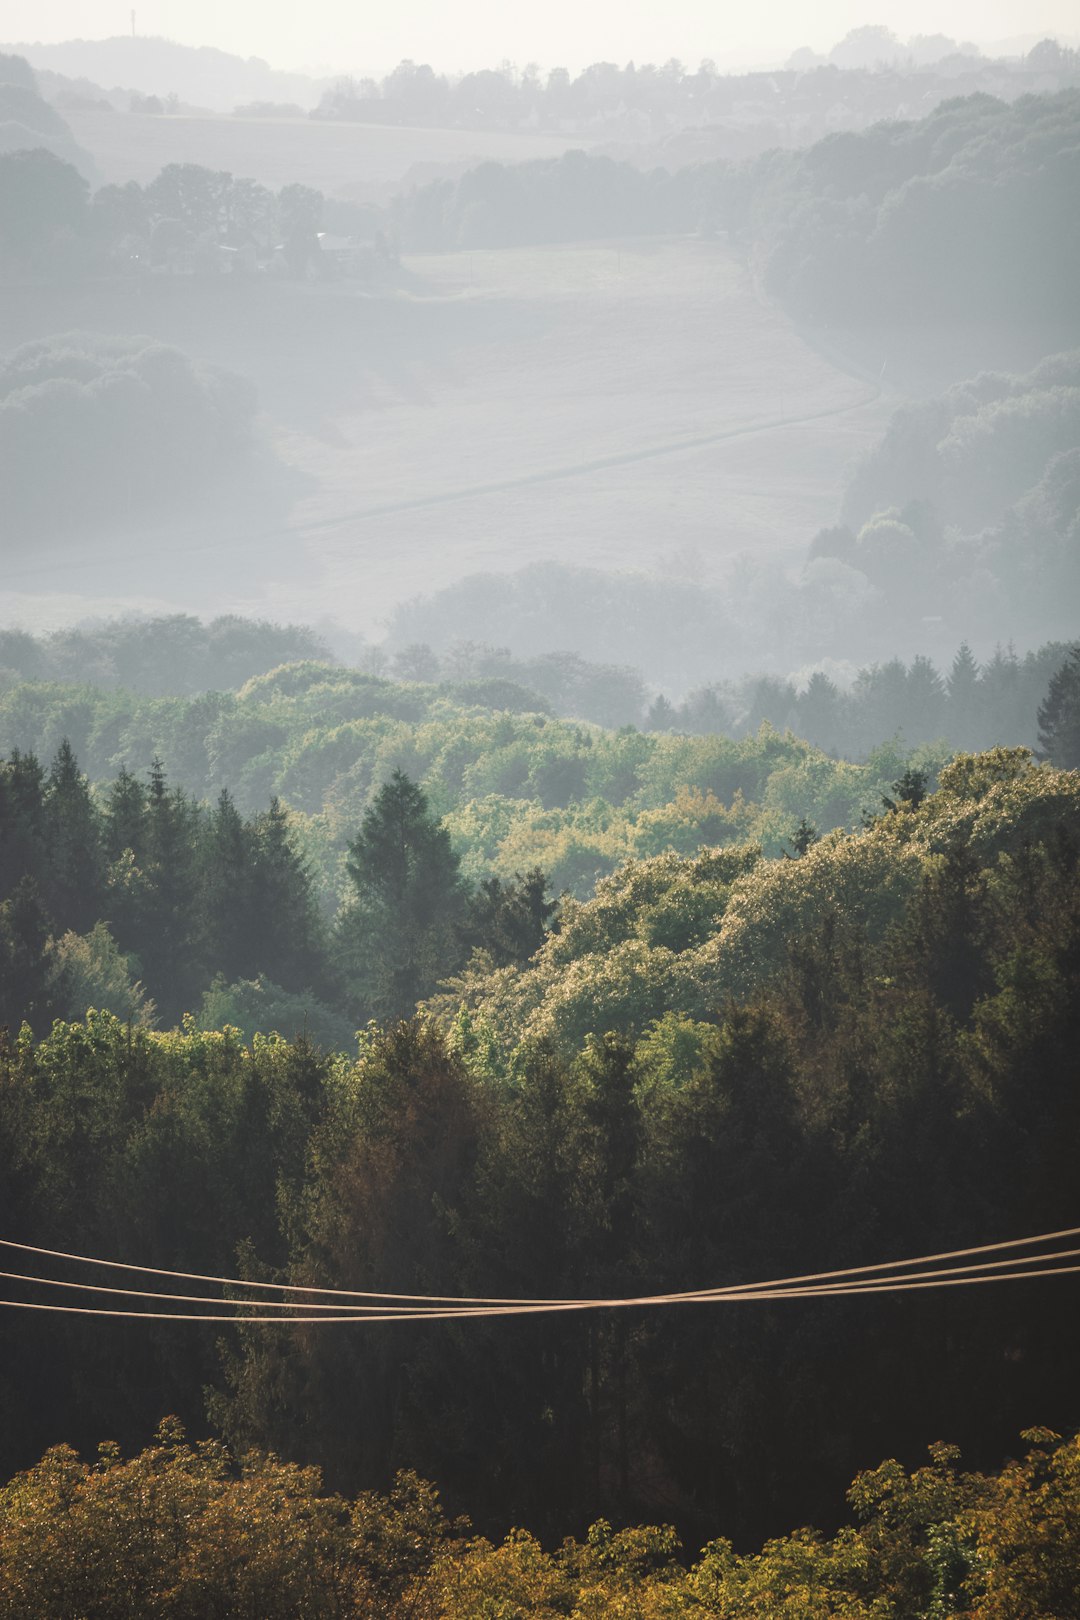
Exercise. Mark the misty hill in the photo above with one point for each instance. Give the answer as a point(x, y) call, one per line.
point(202, 75)
point(517, 787)
point(133, 423)
point(969, 509)
point(163, 657)
point(28, 121)
point(965, 215)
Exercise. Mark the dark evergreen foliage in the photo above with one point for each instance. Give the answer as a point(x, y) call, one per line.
point(1059, 715)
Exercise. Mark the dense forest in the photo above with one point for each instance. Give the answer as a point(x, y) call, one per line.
point(28, 122)
point(721, 1067)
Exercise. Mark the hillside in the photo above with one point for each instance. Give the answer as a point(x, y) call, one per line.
point(202, 75)
point(357, 160)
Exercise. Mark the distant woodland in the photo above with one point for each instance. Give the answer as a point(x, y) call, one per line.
point(133, 422)
point(516, 784)
point(963, 214)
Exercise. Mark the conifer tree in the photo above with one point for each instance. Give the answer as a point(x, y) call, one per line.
point(125, 817)
point(22, 821)
point(75, 880)
point(229, 932)
point(166, 946)
point(25, 989)
point(289, 931)
point(818, 710)
point(1059, 716)
point(962, 696)
point(400, 933)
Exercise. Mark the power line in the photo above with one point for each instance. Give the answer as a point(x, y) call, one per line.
point(959, 1279)
point(384, 1307)
point(786, 1288)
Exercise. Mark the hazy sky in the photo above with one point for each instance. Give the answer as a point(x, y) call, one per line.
point(342, 34)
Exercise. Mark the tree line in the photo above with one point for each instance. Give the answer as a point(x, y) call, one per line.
point(169, 655)
point(968, 706)
point(512, 784)
point(869, 76)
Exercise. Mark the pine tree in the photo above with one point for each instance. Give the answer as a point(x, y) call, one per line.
point(226, 879)
point(168, 932)
point(509, 921)
point(1059, 716)
point(963, 700)
point(289, 942)
point(818, 712)
point(75, 880)
point(910, 790)
point(925, 709)
point(125, 817)
point(25, 978)
point(662, 715)
point(803, 838)
point(400, 932)
point(22, 821)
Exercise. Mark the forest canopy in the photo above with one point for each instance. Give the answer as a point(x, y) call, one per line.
point(720, 1068)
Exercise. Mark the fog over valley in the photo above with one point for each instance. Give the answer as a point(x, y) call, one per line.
point(540, 778)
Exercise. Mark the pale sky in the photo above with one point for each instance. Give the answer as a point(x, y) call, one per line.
point(345, 35)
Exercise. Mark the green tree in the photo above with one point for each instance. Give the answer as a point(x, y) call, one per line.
point(290, 937)
point(22, 820)
point(910, 790)
point(26, 988)
point(227, 892)
point(803, 838)
point(510, 921)
point(399, 934)
point(76, 873)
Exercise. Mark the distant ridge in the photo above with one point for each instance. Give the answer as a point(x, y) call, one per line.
point(201, 75)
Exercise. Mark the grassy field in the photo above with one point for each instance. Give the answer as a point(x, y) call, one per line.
point(621, 405)
point(345, 158)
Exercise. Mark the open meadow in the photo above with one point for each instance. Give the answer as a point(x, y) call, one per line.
point(336, 158)
point(618, 405)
